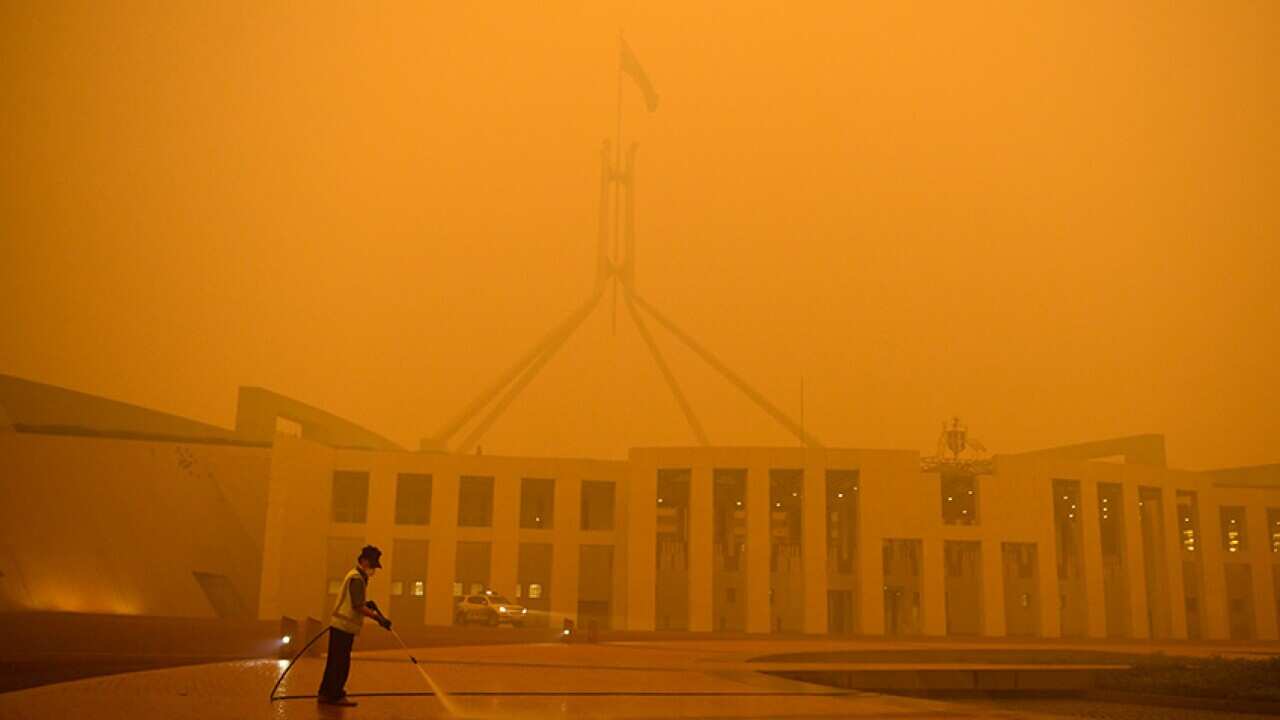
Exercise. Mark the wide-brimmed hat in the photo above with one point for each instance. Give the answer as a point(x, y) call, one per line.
point(372, 554)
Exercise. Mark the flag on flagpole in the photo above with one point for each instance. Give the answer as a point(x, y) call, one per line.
point(631, 66)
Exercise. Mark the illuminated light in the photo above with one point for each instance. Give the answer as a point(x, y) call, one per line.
point(286, 640)
point(777, 504)
point(1104, 501)
point(659, 501)
point(1073, 506)
point(839, 495)
point(970, 492)
point(1072, 516)
point(537, 519)
point(855, 487)
point(1186, 519)
point(1064, 497)
point(502, 609)
point(566, 631)
point(524, 611)
point(795, 494)
point(948, 498)
point(964, 512)
point(739, 503)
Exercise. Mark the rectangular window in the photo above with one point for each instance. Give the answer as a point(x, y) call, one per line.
point(959, 499)
point(471, 567)
point(1233, 532)
point(537, 502)
point(350, 496)
point(340, 558)
point(597, 505)
point(1188, 520)
point(842, 520)
point(413, 499)
point(475, 502)
point(1111, 517)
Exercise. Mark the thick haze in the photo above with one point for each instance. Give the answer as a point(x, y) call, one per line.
point(1058, 222)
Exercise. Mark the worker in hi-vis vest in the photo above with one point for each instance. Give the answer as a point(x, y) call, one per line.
point(345, 623)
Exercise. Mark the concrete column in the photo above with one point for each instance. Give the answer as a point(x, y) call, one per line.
point(814, 543)
point(1095, 591)
point(1173, 563)
point(758, 513)
point(874, 493)
point(506, 533)
point(933, 588)
point(1047, 573)
point(1258, 538)
point(565, 559)
point(442, 549)
point(1135, 563)
point(566, 551)
point(642, 527)
point(700, 551)
point(381, 522)
point(1216, 624)
point(992, 587)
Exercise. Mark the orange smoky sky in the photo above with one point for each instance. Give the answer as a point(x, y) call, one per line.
point(1056, 220)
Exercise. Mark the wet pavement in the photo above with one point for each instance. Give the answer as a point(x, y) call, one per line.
point(609, 680)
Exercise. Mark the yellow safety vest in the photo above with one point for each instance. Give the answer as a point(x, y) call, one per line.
point(344, 616)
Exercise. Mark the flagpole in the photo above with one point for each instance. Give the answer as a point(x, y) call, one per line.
point(617, 189)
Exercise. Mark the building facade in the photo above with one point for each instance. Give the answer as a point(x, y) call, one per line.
point(786, 540)
point(112, 508)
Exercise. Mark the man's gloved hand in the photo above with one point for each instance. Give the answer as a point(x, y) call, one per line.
point(385, 623)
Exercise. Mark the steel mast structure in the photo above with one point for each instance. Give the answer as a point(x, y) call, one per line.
point(614, 271)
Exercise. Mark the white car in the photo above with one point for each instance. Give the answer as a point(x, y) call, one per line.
point(489, 608)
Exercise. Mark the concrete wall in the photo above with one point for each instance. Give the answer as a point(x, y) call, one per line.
point(294, 581)
point(92, 524)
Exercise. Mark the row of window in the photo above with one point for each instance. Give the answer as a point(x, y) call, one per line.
point(350, 501)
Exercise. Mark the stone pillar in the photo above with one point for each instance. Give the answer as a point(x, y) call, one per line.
point(1216, 624)
point(700, 547)
point(504, 556)
point(1095, 591)
point(993, 624)
point(1258, 537)
point(758, 580)
point(380, 524)
point(873, 494)
point(1047, 585)
point(1173, 563)
point(933, 587)
point(442, 549)
point(642, 528)
point(1134, 561)
point(565, 551)
point(814, 543)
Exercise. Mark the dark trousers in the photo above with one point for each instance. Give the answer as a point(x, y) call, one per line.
point(337, 665)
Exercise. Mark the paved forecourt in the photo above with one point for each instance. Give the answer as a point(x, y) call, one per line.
point(609, 680)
